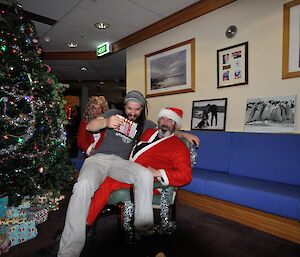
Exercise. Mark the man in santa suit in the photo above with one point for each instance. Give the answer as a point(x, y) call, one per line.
point(159, 150)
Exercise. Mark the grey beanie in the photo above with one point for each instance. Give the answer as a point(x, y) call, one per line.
point(135, 96)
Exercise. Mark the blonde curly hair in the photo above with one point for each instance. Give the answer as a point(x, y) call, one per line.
point(93, 103)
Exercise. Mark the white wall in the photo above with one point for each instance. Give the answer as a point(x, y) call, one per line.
point(258, 22)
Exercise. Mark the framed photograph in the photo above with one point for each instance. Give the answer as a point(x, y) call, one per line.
point(232, 65)
point(291, 40)
point(171, 70)
point(271, 114)
point(209, 114)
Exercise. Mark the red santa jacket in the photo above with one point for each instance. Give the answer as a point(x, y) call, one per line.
point(85, 139)
point(169, 155)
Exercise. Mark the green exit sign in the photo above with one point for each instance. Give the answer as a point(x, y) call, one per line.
point(103, 49)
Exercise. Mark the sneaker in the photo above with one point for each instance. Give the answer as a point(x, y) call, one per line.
point(160, 254)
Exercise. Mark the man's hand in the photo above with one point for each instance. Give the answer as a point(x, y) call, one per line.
point(114, 121)
point(93, 151)
point(189, 137)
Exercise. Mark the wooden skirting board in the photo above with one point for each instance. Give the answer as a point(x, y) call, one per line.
point(278, 226)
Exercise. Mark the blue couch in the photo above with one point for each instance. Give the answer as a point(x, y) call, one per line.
point(256, 170)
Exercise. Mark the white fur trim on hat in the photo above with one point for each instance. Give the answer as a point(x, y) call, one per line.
point(172, 113)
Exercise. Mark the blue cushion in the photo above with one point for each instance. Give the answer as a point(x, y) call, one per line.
point(197, 183)
point(214, 150)
point(77, 163)
point(273, 157)
point(276, 198)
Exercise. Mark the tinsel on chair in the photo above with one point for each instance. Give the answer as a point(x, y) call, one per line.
point(128, 221)
point(167, 225)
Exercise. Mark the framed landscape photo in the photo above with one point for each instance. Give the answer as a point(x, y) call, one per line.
point(209, 114)
point(232, 65)
point(171, 70)
point(291, 40)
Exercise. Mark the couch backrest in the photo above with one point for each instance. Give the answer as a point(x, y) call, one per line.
point(213, 153)
point(274, 157)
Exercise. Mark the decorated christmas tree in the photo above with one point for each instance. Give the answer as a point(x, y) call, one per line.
point(33, 156)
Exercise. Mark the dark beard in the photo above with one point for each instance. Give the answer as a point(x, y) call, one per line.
point(132, 117)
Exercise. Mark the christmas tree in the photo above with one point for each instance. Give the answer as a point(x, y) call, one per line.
point(33, 156)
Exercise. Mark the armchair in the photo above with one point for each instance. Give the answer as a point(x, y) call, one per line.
point(121, 202)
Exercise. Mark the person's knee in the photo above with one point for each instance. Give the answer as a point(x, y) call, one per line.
point(89, 162)
point(150, 177)
point(147, 177)
point(84, 185)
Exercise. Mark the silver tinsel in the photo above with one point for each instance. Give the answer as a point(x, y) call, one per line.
point(192, 149)
point(27, 120)
point(193, 154)
point(128, 220)
point(167, 226)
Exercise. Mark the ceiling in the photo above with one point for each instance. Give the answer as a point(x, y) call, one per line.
point(65, 21)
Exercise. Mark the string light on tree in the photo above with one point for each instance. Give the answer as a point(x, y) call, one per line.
point(32, 117)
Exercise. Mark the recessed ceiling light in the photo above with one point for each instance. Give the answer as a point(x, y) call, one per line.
point(72, 45)
point(47, 39)
point(83, 68)
point(101, 25)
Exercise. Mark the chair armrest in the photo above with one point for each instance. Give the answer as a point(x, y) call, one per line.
point(170, 192)
point(157, 184)
point(192, 148)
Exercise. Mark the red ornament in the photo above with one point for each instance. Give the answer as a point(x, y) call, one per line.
point(68, 112)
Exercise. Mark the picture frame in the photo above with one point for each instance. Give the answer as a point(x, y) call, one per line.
point(276, 114)
point(291, 40)
point(171, 70)
point(209, 114)
point(232, 65)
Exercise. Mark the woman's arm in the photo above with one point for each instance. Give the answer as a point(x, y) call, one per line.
point(83, 138)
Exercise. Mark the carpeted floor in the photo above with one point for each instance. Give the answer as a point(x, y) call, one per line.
point(198, 234)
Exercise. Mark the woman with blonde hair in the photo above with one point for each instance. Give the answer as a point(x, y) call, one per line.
point(87, 141)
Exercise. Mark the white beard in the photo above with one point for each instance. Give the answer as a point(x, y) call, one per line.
point(164, 133)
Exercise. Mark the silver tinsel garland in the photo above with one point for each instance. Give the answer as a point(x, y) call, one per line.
point(167, 226)
point(193, 154)
point(128, 220)
point(27, 120)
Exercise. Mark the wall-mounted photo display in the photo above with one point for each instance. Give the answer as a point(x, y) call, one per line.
point(171, 70)
point(271, 114)
point(291, 40)
point(232, 65)
point(209, 114)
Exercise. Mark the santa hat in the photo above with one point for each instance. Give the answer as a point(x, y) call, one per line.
point(172, 113)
